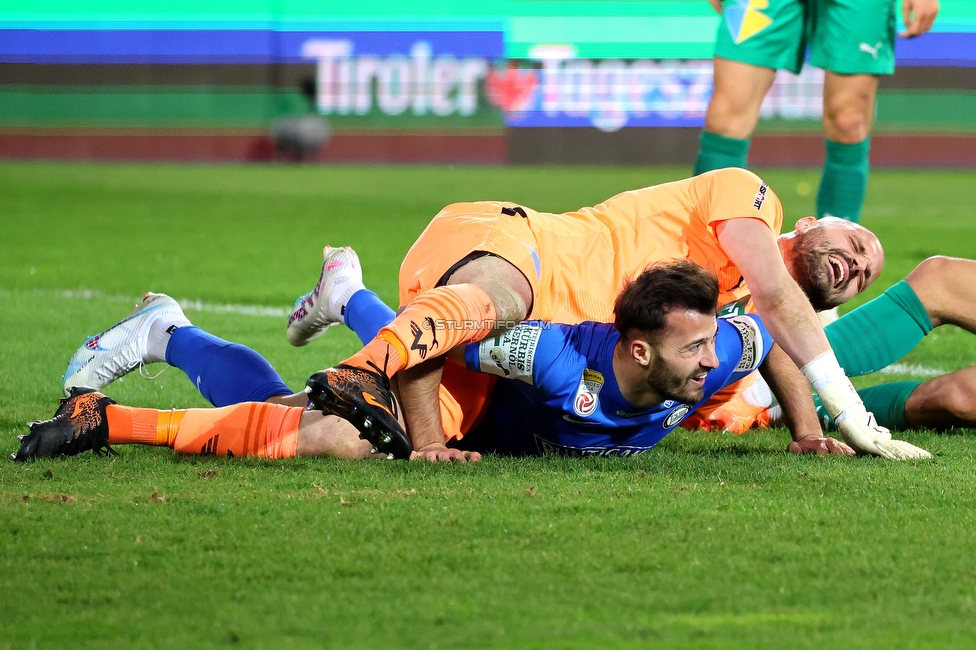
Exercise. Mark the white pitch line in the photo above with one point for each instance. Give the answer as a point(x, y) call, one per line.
point(912, 370)
point(188, 304)
point(245, 310)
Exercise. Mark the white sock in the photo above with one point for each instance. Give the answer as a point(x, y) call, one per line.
point(160, 332)
point(339, 298)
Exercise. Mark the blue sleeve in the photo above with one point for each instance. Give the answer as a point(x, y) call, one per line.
point(755, 342)
point(540, 354)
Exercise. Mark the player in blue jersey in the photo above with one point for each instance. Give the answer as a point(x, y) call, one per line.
point(617, 389)
point(584, 389)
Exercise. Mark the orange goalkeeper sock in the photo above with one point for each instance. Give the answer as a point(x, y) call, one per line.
point(431, 324)
point(256, 429)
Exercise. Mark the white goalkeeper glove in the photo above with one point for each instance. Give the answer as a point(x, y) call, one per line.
point(856, 424)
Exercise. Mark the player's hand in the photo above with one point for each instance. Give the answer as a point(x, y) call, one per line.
point(865, 435)
point(717, 5)
point(859, 428)
point(919, 16)
point(440, 453)
point(821, 446)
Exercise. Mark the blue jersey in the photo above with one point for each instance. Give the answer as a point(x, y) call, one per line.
point(561, 395)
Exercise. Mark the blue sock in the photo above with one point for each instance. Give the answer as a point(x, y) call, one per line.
point(224, 373)
point(366, 315)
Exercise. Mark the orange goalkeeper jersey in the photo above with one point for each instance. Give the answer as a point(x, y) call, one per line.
point(586, 256)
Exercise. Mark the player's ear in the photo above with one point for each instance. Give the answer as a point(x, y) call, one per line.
point(805, 223)
point(640, 351)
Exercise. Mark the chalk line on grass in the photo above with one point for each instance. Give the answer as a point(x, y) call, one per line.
point(188, 304)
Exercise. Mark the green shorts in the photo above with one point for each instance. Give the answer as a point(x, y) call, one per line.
point(844, 36)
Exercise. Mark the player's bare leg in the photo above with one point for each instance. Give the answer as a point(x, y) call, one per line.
point(511, 296)
point(333, 437)
point(733, 110)
point(944, 402)
point(946, 286)
point(88, 420)
point(326, 435)
point(848, 109)
point(296, 399)
point(732, 114)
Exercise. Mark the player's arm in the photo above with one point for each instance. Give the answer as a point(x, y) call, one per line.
point(790, 318)
point(787, 383)
point(919, 16)
point(422, 386)
point(717, 5)
point(784, 309)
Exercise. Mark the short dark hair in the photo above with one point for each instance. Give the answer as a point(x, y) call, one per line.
point(645, 302)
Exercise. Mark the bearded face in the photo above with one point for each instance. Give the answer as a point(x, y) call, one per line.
point(824, 272)
point(682, 382)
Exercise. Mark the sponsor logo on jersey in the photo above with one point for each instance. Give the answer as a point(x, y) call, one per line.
point(631, 414)
point(588, 393)
point(676, 416)
point(511, 354)
point(548, 447)
point(745, 19)
point(498, 356)
point(572, 420)
point(760, 196)
point(752, 343)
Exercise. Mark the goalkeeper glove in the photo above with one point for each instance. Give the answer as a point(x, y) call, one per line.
point(859, 428)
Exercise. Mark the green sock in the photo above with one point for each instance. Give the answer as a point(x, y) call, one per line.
point(844, 180)
point(886, 401)
point(879, 332)
point(717, 151)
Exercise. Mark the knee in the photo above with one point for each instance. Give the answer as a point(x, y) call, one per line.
point(846, 124)
point(731, 117)
point(929, 282)
point(510, 303)
point(509, 291)
point(929, 270)
point(959, 401)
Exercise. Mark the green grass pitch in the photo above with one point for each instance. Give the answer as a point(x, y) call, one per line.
point(710, 541)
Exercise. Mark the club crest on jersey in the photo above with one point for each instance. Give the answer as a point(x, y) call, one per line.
point(676, 416)
point(760, 196)
point(588, 393)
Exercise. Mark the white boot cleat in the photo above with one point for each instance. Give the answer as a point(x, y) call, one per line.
point(105, 357)
point(323, 306)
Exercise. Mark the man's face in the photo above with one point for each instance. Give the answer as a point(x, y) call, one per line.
point(683, 354)
point(833, 260)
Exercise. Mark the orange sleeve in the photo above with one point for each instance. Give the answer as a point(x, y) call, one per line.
point(734, 193)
